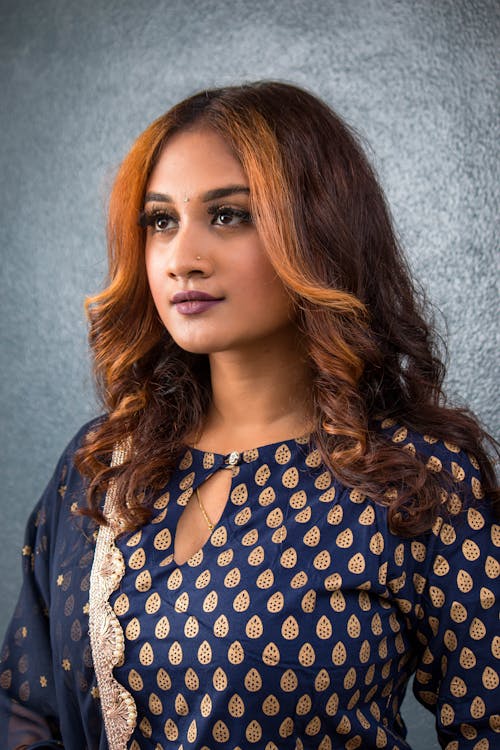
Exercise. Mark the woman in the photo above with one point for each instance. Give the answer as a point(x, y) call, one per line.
point(278, 520)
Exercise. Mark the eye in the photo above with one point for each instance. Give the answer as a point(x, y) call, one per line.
point(158, 220)
point(226, 216)
point(160, 223)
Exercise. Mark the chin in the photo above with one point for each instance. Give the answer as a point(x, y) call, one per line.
point(215, 344)
point(195, 349)
point(193, 346)
point(204, 347)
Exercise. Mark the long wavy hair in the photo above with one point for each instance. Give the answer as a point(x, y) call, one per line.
point(324, 222)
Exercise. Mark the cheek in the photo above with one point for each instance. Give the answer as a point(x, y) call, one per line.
point(268, 288)
point(153, 273)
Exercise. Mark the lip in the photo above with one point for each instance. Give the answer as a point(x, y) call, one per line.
point(191, 302)
point(192, 294)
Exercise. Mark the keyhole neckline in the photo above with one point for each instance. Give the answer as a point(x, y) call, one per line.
point(235, 458)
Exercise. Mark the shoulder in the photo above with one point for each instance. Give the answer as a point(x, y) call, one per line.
point(457, 556)
point(66, 487)
point(66, 462)
point(81, 436)
point(458, 469)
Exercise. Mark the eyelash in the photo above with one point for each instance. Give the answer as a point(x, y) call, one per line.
point(149, 218)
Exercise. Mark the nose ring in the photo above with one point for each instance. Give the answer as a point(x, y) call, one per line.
point(198, 257)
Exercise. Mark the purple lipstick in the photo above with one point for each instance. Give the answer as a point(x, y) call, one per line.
point(192, 302)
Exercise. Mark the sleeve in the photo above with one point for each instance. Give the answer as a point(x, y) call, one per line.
point(457, 618)
point(28, 707)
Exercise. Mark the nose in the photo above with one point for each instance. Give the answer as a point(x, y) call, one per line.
point(187, 254)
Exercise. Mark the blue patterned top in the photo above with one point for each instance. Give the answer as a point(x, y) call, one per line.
point(297, 625)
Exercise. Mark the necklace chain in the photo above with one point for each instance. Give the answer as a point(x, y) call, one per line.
point(204, 512)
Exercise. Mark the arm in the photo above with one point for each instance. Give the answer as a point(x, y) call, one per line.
point(457, 674)
point(28, 707)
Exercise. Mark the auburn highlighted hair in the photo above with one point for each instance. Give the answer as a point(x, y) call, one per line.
point(324, 222)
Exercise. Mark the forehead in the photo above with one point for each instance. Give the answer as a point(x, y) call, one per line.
point(194, 159)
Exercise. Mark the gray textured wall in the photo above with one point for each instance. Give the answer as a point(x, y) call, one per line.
point(81, 79)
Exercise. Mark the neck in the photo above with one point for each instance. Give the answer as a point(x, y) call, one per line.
point(260, 395)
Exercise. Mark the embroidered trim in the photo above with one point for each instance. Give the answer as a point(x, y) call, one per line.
point(106, 635)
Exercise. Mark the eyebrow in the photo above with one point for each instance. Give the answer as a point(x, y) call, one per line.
point(210, 195)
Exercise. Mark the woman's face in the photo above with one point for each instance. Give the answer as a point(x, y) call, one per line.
point(212, 283)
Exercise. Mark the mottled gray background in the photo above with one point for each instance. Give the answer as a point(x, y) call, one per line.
point(80, 79)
